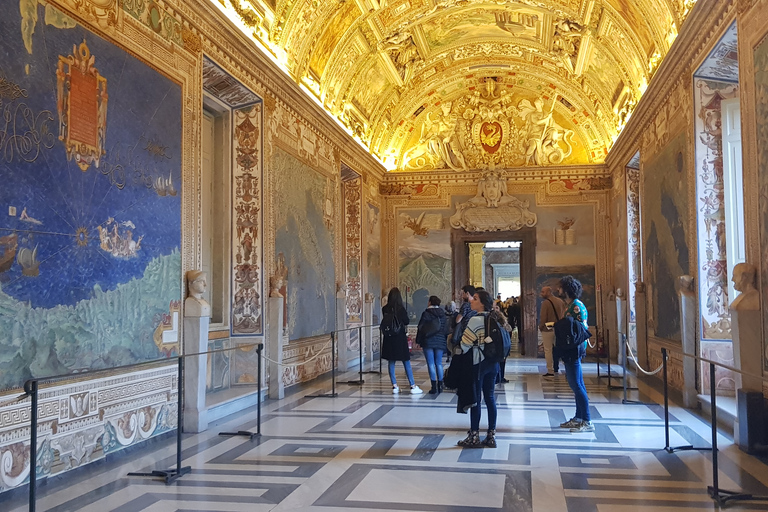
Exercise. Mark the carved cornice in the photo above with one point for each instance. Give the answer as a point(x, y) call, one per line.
point(223, 37)
point(707, 19)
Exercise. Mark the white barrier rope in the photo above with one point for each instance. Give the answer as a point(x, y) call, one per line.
point(632, 355)
point(293, 365)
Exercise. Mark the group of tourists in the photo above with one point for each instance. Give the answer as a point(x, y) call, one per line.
point(478, 341)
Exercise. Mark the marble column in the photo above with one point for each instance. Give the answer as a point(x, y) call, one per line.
point(688, 322)
point(641, 322)
point(197, 314)
point(368, 330)
point(275, 341)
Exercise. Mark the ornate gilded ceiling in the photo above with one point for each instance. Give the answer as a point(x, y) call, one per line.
point(468, 84)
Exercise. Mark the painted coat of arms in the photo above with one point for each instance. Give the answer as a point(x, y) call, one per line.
point(82, 106)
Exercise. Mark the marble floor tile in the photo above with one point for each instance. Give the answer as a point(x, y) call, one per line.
point(370, 450)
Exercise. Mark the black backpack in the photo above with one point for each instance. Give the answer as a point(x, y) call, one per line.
point(498, 349)
point(390, 325)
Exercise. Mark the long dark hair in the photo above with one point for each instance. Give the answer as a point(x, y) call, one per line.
point(395, 299)
point(485, 299)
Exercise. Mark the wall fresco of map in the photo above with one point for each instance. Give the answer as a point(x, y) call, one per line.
point(90, 202)
point(665, 227)
point(373, 258)
point(304, 235)
point(761, 100)
point(424, 258)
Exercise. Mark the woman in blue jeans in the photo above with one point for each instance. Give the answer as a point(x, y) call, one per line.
point(431, 336)
point(570, 291)
point(483, 371)
point(394, 346)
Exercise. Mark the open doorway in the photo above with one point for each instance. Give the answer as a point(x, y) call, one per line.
point(502, 263)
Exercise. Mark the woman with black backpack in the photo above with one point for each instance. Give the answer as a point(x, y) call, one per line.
point(431, 336)
point(394, 339)
point(478, 373)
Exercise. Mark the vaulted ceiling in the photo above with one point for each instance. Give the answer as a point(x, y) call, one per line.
point(467, 84)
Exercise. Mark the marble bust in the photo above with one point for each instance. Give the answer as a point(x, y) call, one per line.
point(195, 305)
point(686, 284)
point(744, 282)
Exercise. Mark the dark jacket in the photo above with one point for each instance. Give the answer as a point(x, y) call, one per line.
point(395, 348)
point(432, 329)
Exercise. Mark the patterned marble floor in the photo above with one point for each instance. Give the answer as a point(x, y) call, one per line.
point(370, 450)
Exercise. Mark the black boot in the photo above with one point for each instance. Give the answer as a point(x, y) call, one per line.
point(490, 439)
point(433, 389)
point(440, 386)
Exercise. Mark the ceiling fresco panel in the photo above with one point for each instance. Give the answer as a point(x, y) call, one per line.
point(462, 84)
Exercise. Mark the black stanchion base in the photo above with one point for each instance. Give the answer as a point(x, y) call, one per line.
point(355, 382)
point(243, 433)
point(687, 447)
point(322, 395)
point(614, 388)
point(372, 372)
point(169, 475)
point(611, 376)
point(635, 402)
point(722, 496)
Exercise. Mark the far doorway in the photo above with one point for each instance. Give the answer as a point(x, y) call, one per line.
point(503, 263)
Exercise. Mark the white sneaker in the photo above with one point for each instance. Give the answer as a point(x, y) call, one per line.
point(395, 390)
point(416, 390)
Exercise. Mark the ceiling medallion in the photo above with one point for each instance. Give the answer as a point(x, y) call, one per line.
point(485, 129)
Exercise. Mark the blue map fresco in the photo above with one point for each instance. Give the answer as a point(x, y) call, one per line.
point(306, 240)
point(89, 258)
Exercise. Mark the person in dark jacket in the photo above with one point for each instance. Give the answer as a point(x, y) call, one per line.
point(395, 347)
point(431, 336)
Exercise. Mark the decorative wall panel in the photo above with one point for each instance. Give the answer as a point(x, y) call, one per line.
point(353, 238)
point(665, 231)
point(761, 117)
point(90, 232)
point(84, 421)
point(247, 242)
point(373, 257)
point(713, 264)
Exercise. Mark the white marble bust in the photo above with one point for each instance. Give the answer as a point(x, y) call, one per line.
point(195, 305)
point(744, 282)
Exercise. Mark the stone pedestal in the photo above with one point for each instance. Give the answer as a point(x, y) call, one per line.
point(688, 321)
point(195, 341)
point(747, 347)
point(621, 326)
point(641, 323)
point(368, 330)
point(275, 348)
point(342, 338)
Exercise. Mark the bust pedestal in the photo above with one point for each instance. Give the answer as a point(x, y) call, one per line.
point(196, 320)
point(275, 348)
point(688, 321)
point(368, 331)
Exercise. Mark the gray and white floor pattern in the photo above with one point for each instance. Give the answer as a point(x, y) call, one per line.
point(371, 450)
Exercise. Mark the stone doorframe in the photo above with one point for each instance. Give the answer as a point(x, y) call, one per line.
point(460, 260)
